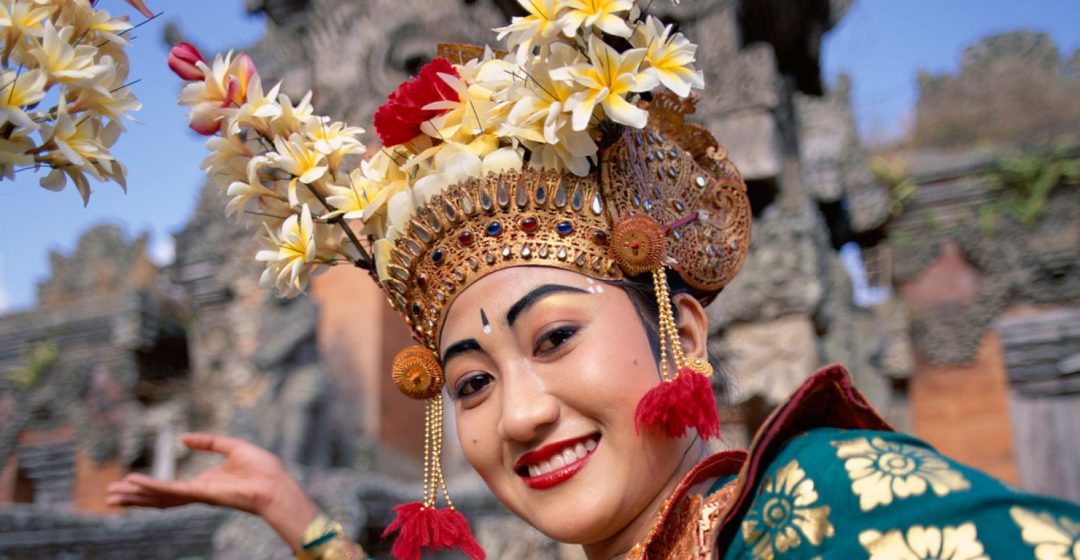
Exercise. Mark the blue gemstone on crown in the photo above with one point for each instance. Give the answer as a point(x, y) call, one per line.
point(564, 227)
point(494, 228)
point(437, 255)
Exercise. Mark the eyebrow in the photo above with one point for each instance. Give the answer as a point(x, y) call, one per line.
point(461, 347)
point(537, 294)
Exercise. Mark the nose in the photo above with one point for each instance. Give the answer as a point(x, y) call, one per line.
point(528, 408)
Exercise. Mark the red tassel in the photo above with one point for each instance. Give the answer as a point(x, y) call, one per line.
point(674, 406)
point(421, 527)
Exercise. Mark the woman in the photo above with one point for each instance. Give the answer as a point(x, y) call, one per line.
point(565, 364)
point(551, 240)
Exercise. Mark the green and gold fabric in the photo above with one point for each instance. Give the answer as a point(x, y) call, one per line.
point(834, 493)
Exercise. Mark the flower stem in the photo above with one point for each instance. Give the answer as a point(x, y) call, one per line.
point(364, 261)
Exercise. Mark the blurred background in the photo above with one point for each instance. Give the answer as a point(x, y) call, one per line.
point(913, 170)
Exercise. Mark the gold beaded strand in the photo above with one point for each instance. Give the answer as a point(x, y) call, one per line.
point(669, 333)
point(434, 480)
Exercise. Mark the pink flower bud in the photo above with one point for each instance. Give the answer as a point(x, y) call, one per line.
point(183, 59)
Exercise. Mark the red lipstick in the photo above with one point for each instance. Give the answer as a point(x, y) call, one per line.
point(555, 476)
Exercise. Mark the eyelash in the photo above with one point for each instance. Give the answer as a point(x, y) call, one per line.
point(459, 391)
point(566, 333)
point(556, 336)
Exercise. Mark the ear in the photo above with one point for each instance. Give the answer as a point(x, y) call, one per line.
point(693, 326)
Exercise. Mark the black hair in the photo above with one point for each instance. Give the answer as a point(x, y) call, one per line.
point(642, 294)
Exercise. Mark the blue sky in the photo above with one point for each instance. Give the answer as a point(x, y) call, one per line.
point(881, 44)
point(884, 43)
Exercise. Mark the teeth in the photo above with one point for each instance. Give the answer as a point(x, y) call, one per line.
point(568, 456)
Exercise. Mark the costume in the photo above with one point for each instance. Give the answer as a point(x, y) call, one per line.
point(825, 477)
point(562, 151)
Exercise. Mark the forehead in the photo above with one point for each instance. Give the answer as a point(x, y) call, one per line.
point(496, 292)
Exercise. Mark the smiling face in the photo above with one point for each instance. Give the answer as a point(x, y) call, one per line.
point(545, 368)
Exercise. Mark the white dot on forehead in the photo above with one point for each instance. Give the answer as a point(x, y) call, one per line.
point(484, 321)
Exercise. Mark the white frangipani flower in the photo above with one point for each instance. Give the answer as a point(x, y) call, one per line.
point(606, 79)
point(540, 105)
point(540, 27)
point(299, 158)
point(599, 14)
point(289, 254)
point(20, 91)
point(669, 57)
point(61, 61)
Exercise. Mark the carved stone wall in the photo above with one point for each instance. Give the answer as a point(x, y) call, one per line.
point(971, 275)
point(1015, 262)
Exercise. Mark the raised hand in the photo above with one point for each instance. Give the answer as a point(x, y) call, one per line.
point(250, 479)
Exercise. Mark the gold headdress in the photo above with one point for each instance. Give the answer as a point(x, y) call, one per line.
point(673, 173)
point(551, 154)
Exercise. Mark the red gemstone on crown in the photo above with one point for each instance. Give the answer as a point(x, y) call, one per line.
point(465, 238)
point(530, 224)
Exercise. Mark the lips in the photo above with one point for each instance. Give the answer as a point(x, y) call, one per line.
point(555, 463)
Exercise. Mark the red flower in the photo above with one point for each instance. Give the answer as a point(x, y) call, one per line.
point(398, 120)
point(182, 59)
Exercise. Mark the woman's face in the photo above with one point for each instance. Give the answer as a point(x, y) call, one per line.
point(545, 368)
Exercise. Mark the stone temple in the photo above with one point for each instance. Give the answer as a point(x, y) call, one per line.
point(120, 356)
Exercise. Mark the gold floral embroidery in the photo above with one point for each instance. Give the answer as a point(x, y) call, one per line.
point(948, 543)
point(1052, 539)
point(881, 470)
point(783, 514)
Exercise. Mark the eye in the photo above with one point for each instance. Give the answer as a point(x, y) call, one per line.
point(554, 338)
point(472, 385)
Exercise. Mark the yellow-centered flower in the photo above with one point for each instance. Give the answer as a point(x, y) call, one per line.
point(540, 27)
point(600, 14)
point(18, 19)
point(17, 92)
point(605, 81)
point(98, 23)
point(670, 57)
point(539, 117)
point(298, 158)
point(62, 61)
point(289, 254)
point(81, 143)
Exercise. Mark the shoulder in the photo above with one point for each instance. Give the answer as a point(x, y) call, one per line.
point(857, 493)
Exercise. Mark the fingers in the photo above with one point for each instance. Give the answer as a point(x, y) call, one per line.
point(170, 487)
point(202, 441)
point(126, 493)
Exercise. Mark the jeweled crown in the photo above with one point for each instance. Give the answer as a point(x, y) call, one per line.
point(673, 172)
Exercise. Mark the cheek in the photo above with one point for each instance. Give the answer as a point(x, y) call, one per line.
point(478, 439)
point(617, 370)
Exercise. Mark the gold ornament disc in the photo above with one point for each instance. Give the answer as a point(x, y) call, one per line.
point(417, 373)
point(637, 244)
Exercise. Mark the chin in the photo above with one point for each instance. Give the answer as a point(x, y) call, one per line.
point(585, 510)
point(574, 524)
